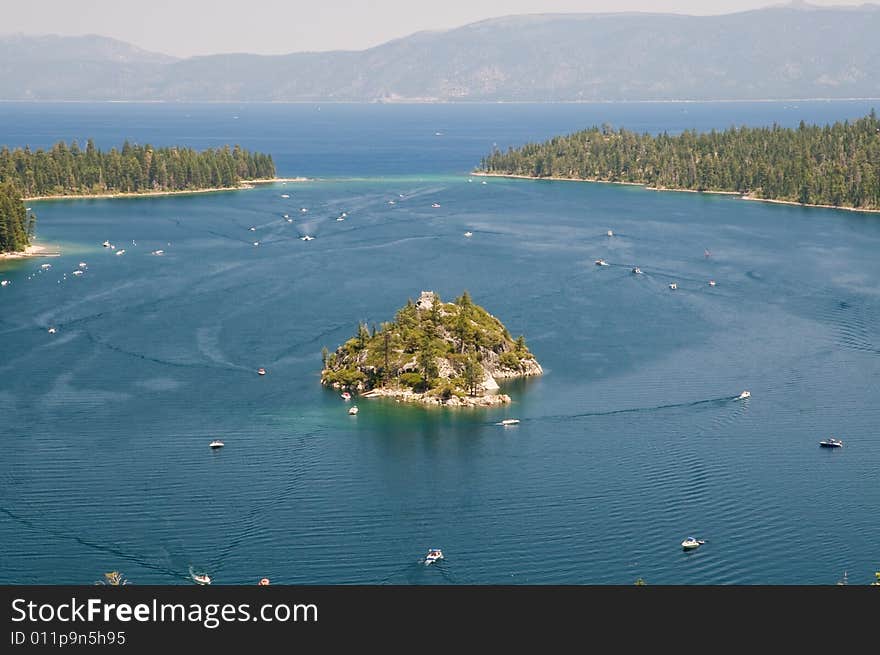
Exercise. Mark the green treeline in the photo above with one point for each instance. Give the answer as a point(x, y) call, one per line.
point(70, 170)
point(832, 165)
point(16, 223)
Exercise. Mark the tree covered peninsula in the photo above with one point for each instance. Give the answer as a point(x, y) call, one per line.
point(71, 170)
point(433, 352)
point(837, 165)
point(16, 223)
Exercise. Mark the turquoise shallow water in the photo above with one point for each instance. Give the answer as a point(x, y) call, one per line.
point(631, 441)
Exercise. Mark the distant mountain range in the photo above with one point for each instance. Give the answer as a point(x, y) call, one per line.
point(785, 52)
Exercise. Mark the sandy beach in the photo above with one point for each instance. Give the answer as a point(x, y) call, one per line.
point(32, 251)
point(652, 188)
point(245, 184)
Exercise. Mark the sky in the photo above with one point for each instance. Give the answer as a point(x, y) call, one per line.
point(184, 28)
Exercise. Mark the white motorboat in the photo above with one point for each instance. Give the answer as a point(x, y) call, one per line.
point(435, 205)
point(345, 395)
point(284, 195)
point(83, 265)
point(340, 218)
point(286, 216)
point(744, 395)
point(303, 210)
point(390, 202)
point(610, 233)
point(353, 410)
point(216, 444)
point(256, 243)
point(5, 283)
point(261, 371)
point(434, 555)
point(106, 244)
point(45, 267)
point(601, 262)
point(469, 234)
point(673, 285)
point(637, 271)
point(252, 228)
point(77, 272)
point(690, 543)
point(120, 252)
point(52, 330)
point(158, 253)
point(200, 578)
point(343, 215)
point(509, 421)
point(711, 283)
point(483, 182)
point(831, 442)
point(306, 238)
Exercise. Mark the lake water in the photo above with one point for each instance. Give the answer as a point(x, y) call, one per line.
point(630, 442)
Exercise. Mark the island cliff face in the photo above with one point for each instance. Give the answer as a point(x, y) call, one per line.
point(450, 354)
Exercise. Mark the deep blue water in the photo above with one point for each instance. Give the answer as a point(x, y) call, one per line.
point(631, 441)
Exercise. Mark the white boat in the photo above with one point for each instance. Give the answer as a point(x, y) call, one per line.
point(77, 272)
point(45, 267)
point(216, 444)
point(200, 578)
point(435, 205)
point(340, 218)
point(106, 244)
point(434, 554)
point(303, 210)
point(286, 216)
point(343, 215)
point(637, 271)
point(673, 285)
point(353, 410)
point(690, 543)
point(252, 228)
point(158, 253)
point(284, 195)
point(483, 182)
point(831, 442)
point(256, 243)
point(52, 330)
point(390, 202)
point(83, 265)
point(744, 395)
point(120, 252)
point(4, 283)
point(601, 262)
point(261, 371)
point(306, 238)
point(711, 283)
point(610, 233)
point(469, 234)
point(509, 421)
point(345, 395)
point(289, 220)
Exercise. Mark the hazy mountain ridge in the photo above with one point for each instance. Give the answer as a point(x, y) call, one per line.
point(779, 52)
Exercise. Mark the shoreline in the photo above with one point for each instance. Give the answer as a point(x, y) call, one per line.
point(742, 196)
point(31, 251)
point(243, 185)
point(409, 396)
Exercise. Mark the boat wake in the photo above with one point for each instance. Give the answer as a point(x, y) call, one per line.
point(116, 551)
point(637, 410)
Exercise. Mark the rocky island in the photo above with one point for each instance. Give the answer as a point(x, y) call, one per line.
point(449, 354)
